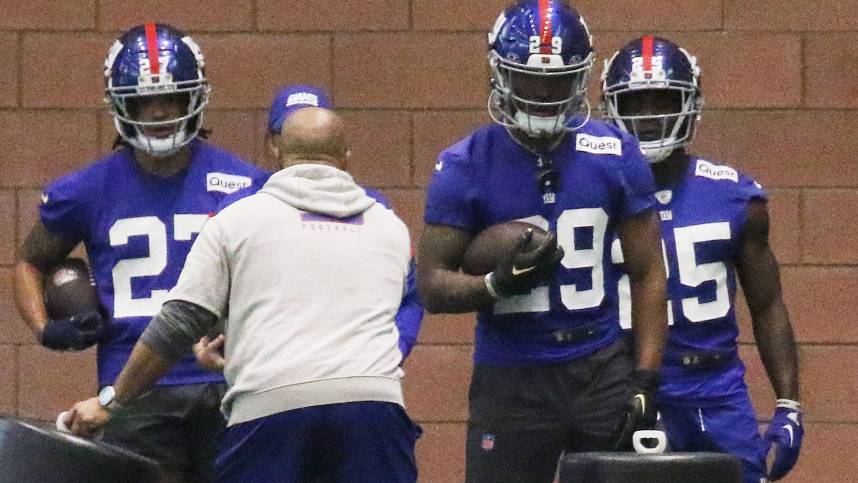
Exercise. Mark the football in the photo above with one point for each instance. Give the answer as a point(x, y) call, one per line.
point(70, 290)
point(489, 247)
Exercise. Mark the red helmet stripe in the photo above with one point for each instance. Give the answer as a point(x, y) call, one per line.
point(646, 51)
point(545, 27)
point(152, 47)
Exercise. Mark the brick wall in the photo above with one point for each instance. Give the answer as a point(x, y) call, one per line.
point(409, 75)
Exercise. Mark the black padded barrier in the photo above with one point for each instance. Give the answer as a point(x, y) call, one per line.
point(31, 454)
point(650, 468)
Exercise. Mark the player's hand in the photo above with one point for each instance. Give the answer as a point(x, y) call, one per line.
point(87, 418)
point(640, 411)
point(785, 431)
point(74, 333)
point(521, 270)
point(209, 353)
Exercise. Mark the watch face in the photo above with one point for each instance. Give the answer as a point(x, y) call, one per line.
point(106, 395)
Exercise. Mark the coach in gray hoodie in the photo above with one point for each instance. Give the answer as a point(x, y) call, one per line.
point(308, 274)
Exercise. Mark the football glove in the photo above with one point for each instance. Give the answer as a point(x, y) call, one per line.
point(786, 432)
point(640, 411)
point(522, 270)
point(74, 333)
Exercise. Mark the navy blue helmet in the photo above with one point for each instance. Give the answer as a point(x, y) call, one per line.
point(155, 59)
point(540, 54)
point(652, 64)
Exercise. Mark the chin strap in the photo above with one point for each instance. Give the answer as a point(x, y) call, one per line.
point(657, 156)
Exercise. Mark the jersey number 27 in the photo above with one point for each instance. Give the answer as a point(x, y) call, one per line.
point(184, 227)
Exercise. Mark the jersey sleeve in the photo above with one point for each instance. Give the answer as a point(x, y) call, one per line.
point(451, 196)
point(205, 278)
point(63, 209)
point(636, 179)
point(410, 314)
point(749, 189)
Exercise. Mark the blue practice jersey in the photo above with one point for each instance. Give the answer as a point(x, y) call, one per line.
point(487, 178)
point(138, 229)
point(702, 221)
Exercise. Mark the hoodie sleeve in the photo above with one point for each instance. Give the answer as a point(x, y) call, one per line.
point(205, 278)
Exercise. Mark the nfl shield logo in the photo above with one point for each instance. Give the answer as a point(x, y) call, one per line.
point(488, 442)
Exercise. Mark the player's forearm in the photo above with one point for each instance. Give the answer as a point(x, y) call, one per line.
point(168, 336)
point(446, 291)
point(649, 307)
point(29, 296)
point(777, 347)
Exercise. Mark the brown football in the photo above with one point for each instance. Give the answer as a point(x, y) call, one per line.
point(489, 247)
point(70, 290)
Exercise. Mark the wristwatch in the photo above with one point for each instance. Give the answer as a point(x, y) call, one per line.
point(107, 398)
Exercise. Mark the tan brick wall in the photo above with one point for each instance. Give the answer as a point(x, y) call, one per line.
point(782, 103)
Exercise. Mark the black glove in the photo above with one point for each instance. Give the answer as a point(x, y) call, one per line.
point(521, 270)
point(640, 412)
point(74, 333)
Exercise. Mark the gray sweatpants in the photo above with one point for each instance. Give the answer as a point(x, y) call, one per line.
point(523, 418)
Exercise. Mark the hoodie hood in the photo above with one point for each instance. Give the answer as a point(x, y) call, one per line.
point(318, 189)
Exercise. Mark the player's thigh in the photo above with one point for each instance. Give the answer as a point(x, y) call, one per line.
point(513, 455)
point(369, 442)
point(599, 402)
point(152, 427)
point(271, 448)
point(521, 454)
point(516, 396)
point(732, 428)
point(517, 424)
point(682, 427)
point(204, 426)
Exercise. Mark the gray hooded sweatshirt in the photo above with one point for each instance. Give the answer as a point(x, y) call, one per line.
point(308, 273)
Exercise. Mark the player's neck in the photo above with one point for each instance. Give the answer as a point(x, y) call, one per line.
point(166, 166)
point(536, 146)
point(669, 173)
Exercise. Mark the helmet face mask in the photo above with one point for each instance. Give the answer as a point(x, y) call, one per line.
point(156, 109)
point(540, 60)
point(651, 89)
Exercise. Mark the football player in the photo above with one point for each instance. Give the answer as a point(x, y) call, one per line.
point(286, 102)
point(715, 229)
point(311, 270)
point(551, 371)
point(137, 212)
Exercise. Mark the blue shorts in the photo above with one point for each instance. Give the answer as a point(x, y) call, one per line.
point(349, 442)
point(728, 428)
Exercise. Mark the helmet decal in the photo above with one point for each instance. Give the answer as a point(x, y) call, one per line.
point(153, 62)
point(646, 53)
point(545, 46)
